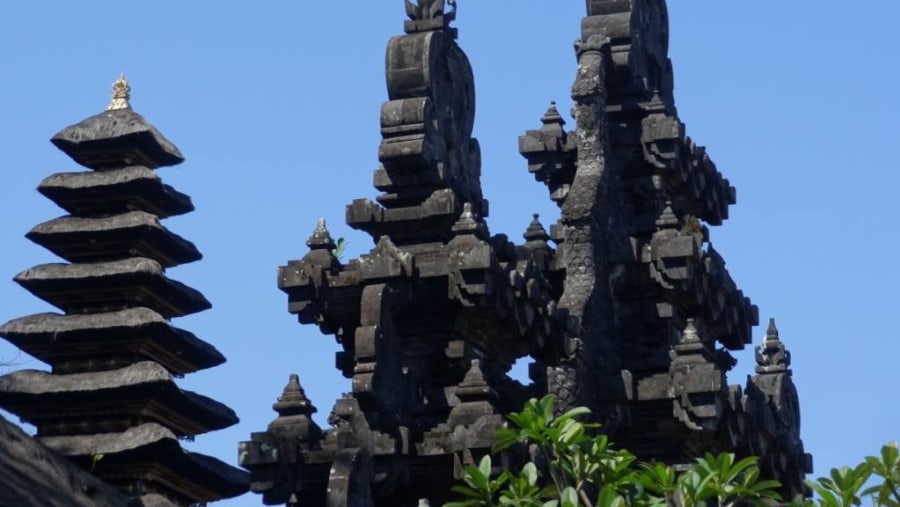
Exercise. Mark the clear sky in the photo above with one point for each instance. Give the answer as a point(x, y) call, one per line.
point(275, 105)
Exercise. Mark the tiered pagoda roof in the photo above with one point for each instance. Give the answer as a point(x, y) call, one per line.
point(110, 402)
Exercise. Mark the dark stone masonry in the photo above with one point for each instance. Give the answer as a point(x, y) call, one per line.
point(622, 305)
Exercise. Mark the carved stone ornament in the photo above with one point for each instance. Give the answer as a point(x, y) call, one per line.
point(624, 306)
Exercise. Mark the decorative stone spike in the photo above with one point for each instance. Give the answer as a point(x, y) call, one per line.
point(536, 232)
point(690, 342)
point(551, 152)
point(773, 386)
point(294, 424)
point(667, 219)
point(536, 244)
point(690, 336)
point(553, 122)
point(772, 356)
point(469, 224)
point(771, 331)
point(293, 400)
point(321, 238)
point(113, 352)
point(291, 433)
point(474, 386)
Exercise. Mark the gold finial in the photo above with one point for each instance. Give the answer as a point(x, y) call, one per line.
point(120, 95)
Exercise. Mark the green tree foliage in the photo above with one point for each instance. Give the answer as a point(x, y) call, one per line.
point(571, 466)
point(340, 247)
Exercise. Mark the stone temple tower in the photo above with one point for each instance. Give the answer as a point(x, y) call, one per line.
point(110, 402)
point(623, 306)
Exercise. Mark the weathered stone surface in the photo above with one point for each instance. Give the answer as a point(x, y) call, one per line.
point(31, 475)
point(132, 234)
point(152, 452)
point(108, 401)
point(73, 343)
point(631, 312)
point(430, 319)
point(114, 139)
point(115, 191)
point(102, 286)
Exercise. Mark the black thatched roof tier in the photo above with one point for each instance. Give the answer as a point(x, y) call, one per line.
point(152, 452)
point(31, 475)
point(116, 237)
point(117, 138)
point(91, 288)
point(98, 402)
point(114, 191)
point(72, 342)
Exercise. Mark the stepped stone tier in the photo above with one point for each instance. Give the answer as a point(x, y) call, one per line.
point(110, 402)
point(624, 306)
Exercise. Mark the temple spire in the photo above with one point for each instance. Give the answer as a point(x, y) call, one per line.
point(535, 231)
point(667, 219)
point(293, 400)
point(321, 238)
point(430, 15)
point(121, 93)
point(772, 356)
point(469, 223)
point(553, 122)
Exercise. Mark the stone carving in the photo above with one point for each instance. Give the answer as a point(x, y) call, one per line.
point(630, 311)
point(427, 15)
point(429, 9)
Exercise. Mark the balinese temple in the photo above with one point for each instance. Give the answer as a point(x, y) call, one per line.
point(622, 305)
point(109, 402)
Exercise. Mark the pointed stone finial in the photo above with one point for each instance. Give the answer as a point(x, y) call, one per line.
point(667, 219)
point(121, 93)
point(553, 121)
point(772, 356)
point(690, 345)
point(690, 334)
point(476, 397)
point(552, 115)
point(321, 238)
point(293, 400)
point(468, 223)
point(536, 231)
point(475, 375)
point(771, 331)
point(475, 386)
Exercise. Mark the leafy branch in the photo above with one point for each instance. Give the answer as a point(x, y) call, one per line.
point(573, 467)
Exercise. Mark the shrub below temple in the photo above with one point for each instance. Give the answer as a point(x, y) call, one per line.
point(571, 467)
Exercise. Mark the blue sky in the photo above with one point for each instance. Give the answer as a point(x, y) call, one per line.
point(275, 105)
